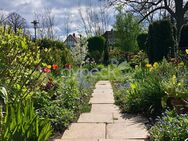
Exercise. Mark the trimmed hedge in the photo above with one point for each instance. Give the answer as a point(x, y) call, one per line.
point(141, 40)
point(184, 38)
point(160, 41)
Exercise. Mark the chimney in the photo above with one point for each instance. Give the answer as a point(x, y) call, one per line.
point(74, 35)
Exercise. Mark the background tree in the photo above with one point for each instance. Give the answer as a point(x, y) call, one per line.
point(184, 38)
point(15, 21)
point(46, 24)
point(106, 53)
point(96, 48)
point(54, 52)
point(141, 40)
point(176, 8)
point(127, 30)
point(160, 40)
point(2, 17)
point(80, 51)
point(95, 19)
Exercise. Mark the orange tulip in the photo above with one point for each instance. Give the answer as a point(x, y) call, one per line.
point(54, 67)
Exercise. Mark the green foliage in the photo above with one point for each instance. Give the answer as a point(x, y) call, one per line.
point(64, 104)
point(141, 40)
point(127, 30)
point(146, 90)
point(96, 47)
point(160, 41)
point(143, 95)
point(67, 57)
point(171, 127)
point(183, 38)
point(54, 52)
point(20, 122)
point(106, 54)
point(18, 60)
point(80, 51)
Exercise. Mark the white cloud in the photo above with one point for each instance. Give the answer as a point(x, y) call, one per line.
point(60, 8)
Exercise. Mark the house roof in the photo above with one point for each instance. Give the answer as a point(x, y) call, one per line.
point(72, 37)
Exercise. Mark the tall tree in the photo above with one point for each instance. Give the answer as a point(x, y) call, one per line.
point(95, 19)
point(16, 21)
point(2, 17)
point(176, 8)
point(96, 47)
point(127, 29)
point(46, 24)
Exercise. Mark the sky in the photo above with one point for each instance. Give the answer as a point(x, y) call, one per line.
point(61, 9)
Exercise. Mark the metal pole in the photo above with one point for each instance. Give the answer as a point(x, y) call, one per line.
point(35, 28)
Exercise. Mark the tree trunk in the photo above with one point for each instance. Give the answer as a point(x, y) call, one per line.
point(179, 16)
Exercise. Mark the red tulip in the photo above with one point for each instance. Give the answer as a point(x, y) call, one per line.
point(54, 67)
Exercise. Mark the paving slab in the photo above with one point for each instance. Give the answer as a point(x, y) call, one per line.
point(118, 118)
point(121, 140)
point(105, 122)
point(85, 131)
point(76, 140)
point(102, 98)
point(125, 131)
point(103, 89)
point(104, 94)
point(104, 108)
point(96, 118)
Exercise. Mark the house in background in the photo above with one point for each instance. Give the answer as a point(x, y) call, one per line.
point(71, 40)
point(110, 37)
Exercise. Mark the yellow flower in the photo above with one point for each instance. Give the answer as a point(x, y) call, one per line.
point(49, 66)
point(155, 65)
point(186, 51)
point(148, 65)
point(45, 50)
point(133, 86)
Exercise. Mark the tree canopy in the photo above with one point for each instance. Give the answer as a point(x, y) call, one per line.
point(176, 8)
point(127, 30)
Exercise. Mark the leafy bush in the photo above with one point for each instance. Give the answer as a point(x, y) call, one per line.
point(141, 40)
point(127, 29)
point(147, 89)
point(54, 52)
point(171, 127)
point(142, 96)
point(96, 47)
point(64, 104)
point(20, 122)
point(80, 51)
point(160, 40)
point(18, 60)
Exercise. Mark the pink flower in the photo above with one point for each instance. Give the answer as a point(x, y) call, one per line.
point(46, 70)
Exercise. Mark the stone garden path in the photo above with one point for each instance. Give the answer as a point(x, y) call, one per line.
point(104, 122)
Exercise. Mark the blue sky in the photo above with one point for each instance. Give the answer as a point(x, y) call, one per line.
point(61, 9)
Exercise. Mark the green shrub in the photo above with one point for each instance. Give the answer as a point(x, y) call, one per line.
point(183, 38)
point(64, 104)
point(160, 41)
point(96, 47)
point(19, 57)
point(127, 28)
point(54, 52)
point(171, 127)
point(143, 96)
point(21, 123)
point(141, 40)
